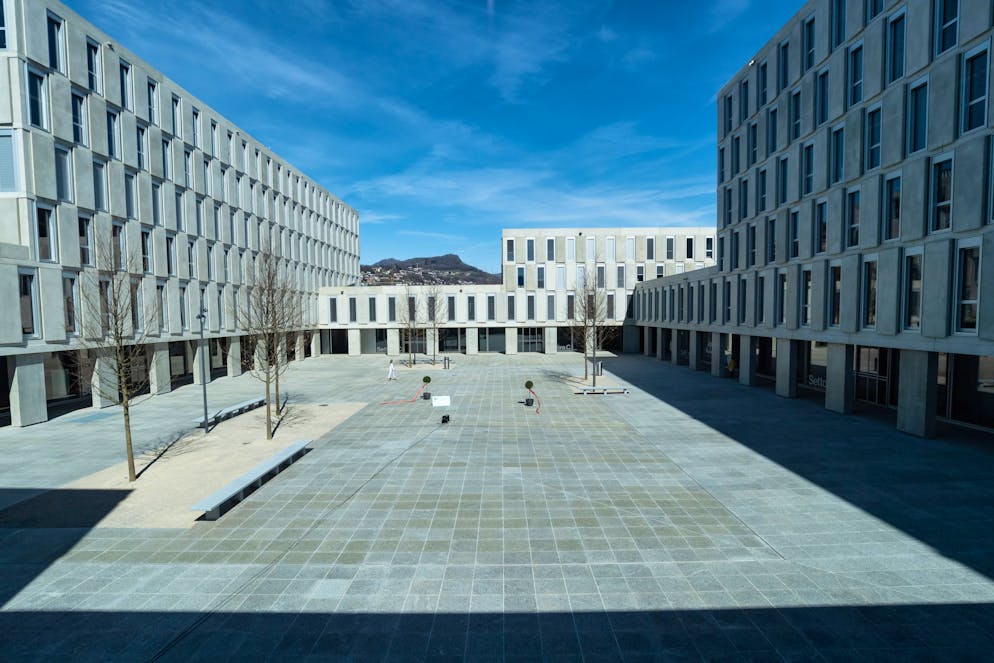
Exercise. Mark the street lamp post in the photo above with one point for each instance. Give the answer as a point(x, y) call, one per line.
point(202, 317)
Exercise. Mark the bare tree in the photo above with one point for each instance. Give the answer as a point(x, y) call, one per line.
point(408, 318)
point(117, 323)
point(272, 310)
point(593, 320)
point(436, 310)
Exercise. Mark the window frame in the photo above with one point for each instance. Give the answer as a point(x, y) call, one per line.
point(958, 301)
point(869, 291)
point(906, 289)
point(965, 103)
point(933, 203)
point(94, 66)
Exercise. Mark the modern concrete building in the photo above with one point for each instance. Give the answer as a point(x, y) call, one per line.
point(855, 239)
point(97, 148)
point(534, 307)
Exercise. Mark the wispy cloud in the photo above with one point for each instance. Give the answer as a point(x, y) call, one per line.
point(724, 12)
point(448, 237)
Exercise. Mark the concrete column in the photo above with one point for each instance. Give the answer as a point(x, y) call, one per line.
point(159, 381)
point(393, 342)
point(511, 341)
point(316, 343)
point(27, 391)
point(840, 382)
point(659, 343)
point(234, 357)
point(298, 350)
point(647, 341)
point(747, 360)
point(355, 342)
point(692, 360)
point(786, 367)
point(473, 341)
point(201, 356)
point(103, 382)
point(674, 345)
point(551, 336)
point(718, 367)
point(917, 392)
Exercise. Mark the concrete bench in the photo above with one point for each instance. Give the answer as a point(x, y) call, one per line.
point(235, 491)
point(602, 390)
point(231, 411)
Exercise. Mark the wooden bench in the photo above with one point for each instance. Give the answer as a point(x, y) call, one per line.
point(231, 411)
point(601, 390)
point(233, 492)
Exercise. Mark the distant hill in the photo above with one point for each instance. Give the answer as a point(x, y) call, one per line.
point(447, 269)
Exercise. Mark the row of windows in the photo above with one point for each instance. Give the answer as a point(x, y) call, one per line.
point(945, 31)
point(610, 248)
point(265, 167)
point(651, 305)
point(444, 309)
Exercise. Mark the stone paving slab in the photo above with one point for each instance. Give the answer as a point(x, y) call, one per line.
point(693, 518)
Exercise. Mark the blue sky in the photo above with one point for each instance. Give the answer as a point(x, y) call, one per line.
point(443, 122)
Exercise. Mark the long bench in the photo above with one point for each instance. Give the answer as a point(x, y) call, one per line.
point(233, 492)
point(231, 411)
point(601, 390)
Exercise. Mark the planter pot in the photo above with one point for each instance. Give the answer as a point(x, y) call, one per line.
point(426, 396)
point(529, 402)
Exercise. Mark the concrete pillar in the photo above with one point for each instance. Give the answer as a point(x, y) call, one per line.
point(103, 382)
point(511, 341)
point(786, 367)
point(674, 346)
point(840, 381)
point(747, 360)
point(316, 343)
point(159, 381)
point(234, 357)
point(917, 392)
point(718, 367)
point(693, 353)
point(28, 403)
point(201, 356)
point(298, 350)
point(659, 343)
point(355, 342)
point(647, 341)
point(473, 341)
point(551, 336)
point(393, 342)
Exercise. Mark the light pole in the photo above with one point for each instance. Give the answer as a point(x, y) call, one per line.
point(202, 317)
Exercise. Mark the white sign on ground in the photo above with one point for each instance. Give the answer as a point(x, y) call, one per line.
point(440, 401)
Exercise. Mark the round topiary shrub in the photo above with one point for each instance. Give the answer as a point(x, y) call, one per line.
point(529, 384)
point(426, 379)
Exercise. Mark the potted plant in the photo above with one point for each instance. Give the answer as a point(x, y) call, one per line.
point(426, 395)
point(529, 401)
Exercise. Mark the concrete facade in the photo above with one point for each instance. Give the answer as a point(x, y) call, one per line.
point(104, 157)
point(854, 222)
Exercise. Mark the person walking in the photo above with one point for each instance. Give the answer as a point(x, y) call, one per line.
point(391, 372)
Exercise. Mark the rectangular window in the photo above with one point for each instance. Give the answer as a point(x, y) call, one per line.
point(521, 277)
point(210, 262)
point(510, 250)
point(726, 314)
point(56, 44)
point(550, 249)
point(946, 24)
point(491, 307)
point(470, 308)
point(94, 67)
point(540, 277)
point(895, 48)
point(184, 307)
point(601, 276)
point(529, 249)
point(743, 100)
point(751, 246)
point(177, 117)
point(771, 131)
point(709, 248)
point(917, 117)
point(974, 90)
point(117, 243)
point(734, 166)
point(808, 45)
point(79, 133)
point(761, 190)
point(760, 312)
point(99, 186)
point(870, 294)
point(391, 310)
point(771, 240)
point(208, 184)
point(130, 196)
point(124, 78)
point(156, 205)
point(70, 297)
point(805, 298)
point(838, 156)
point(855, 75)
point(171, 255)
point(28, 302)
point(188, 168)
point(146, 247)
point(892, 208)
point(560, 277)
point(629, 249)
point(793, 227)
point(721, 165)
point(743, 198)
point(761, 85)
point(37, 100)
point(216, 149)
point(690, 248)
point(141, 141)
point(45, 226)
point(372, 309)
point(942, 195)
point(153, 101)
point(838, 22)
point(727, 196)
point(735, 250)
point(821, 227)
point(871, 137)
point(835, 296)
point(873, 9)
point(530, 307)
point(570, 248)
point(782, 179)
point(967, 288)
point(620, 276)
point(752, 149)
point(783, 65)
point(63, 174)
point(640, 273)
point(728, 113)
point(852, 219)
point(510, 307)
point(650, 249)
point(85, 230)
point(807, 169)
point(912, 291)
point(113, 136)
point(821, 99)
point(795, 115)
point(353, 310)
point(167, 159)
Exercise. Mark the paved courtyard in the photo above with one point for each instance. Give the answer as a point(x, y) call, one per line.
point(691, 519)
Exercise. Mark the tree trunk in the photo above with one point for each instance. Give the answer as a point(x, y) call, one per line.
point(276, 379)
point(593, 351)
point(269, 408)
point(129, 449)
